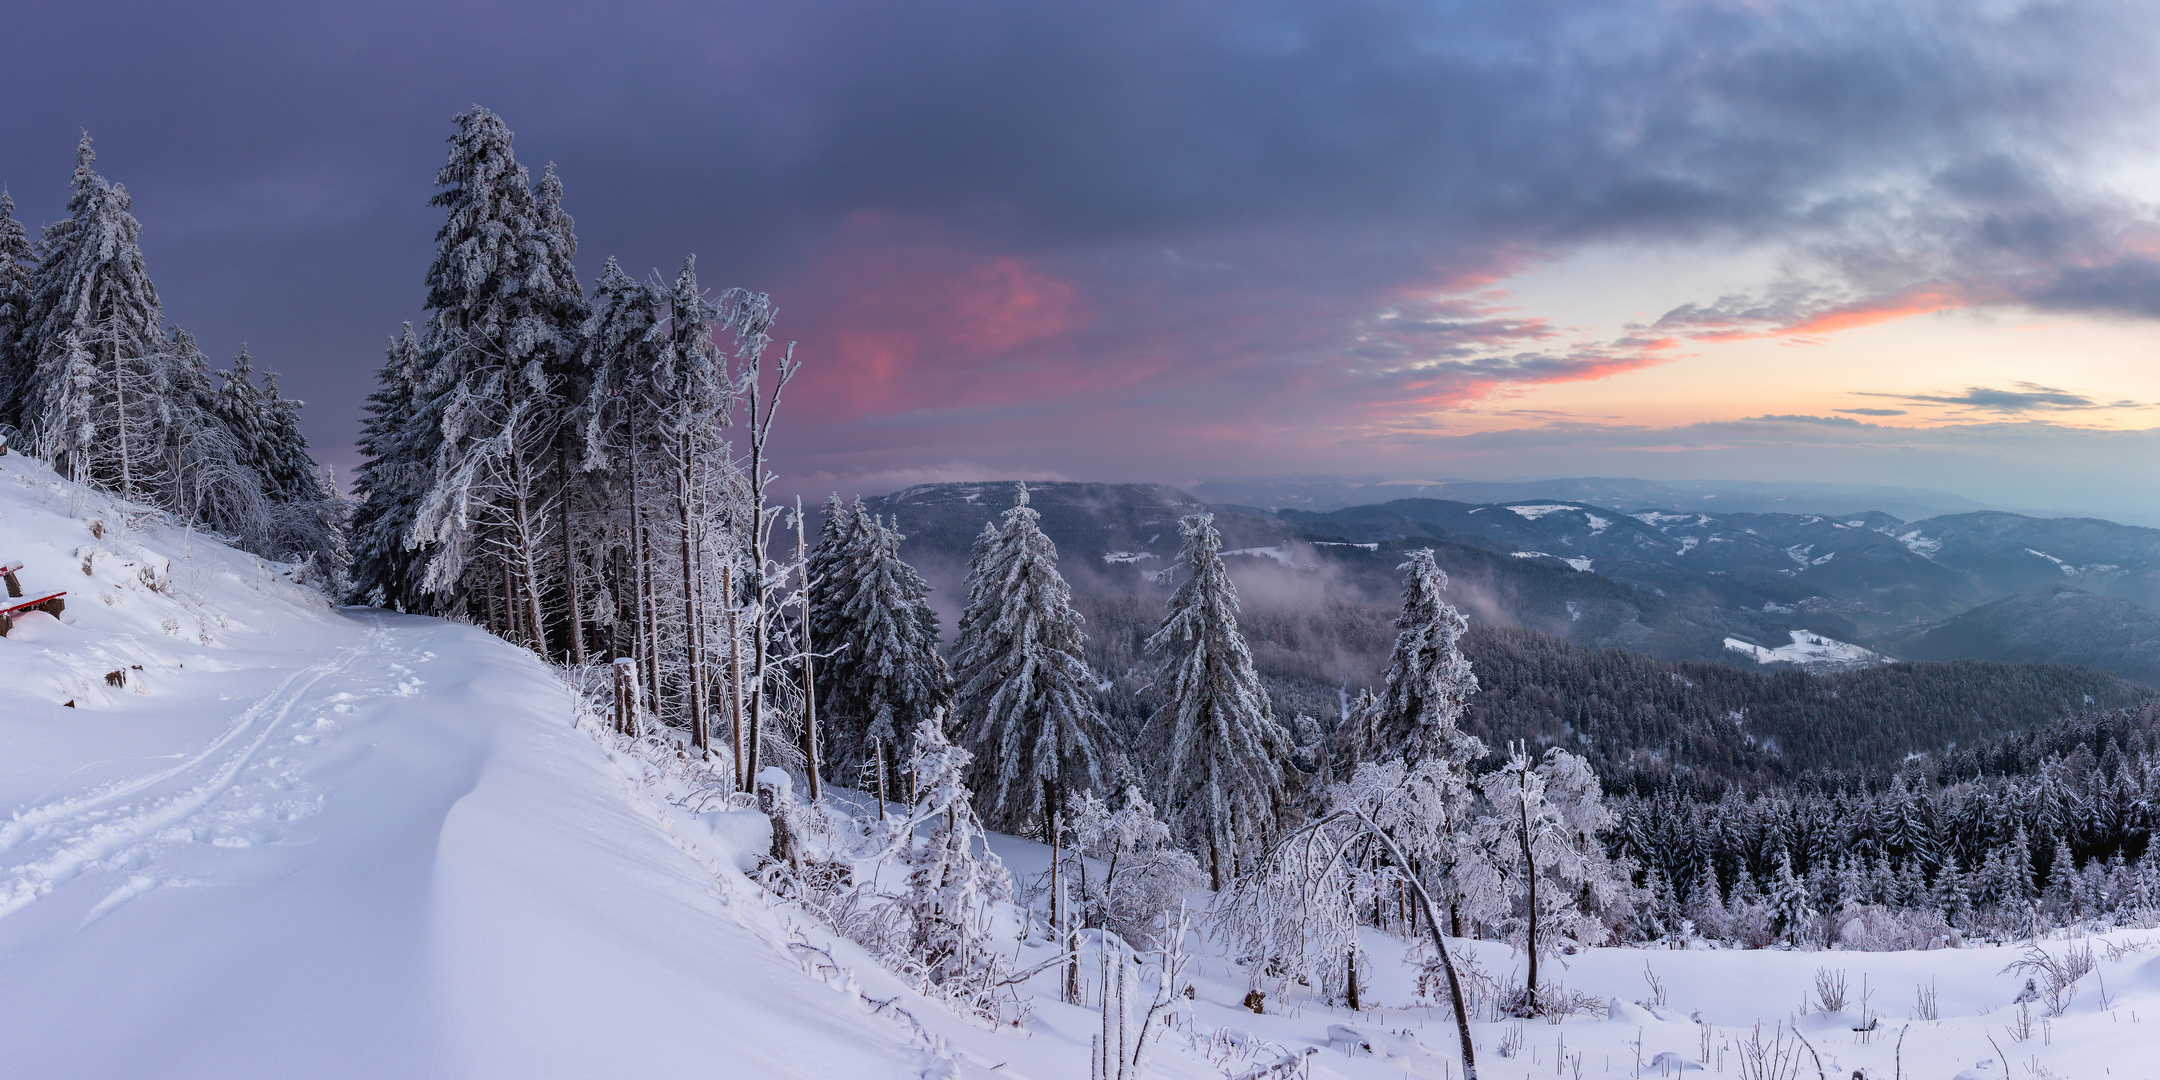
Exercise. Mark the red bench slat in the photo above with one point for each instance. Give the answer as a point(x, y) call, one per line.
point(32, 603)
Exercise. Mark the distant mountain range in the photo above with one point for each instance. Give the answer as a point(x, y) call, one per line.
point(1753, 588)
point(1324, 493)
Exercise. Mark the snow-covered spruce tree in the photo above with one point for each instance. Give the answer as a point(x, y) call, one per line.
point(886, 674)
point(302, 516)
point(1541, 829)
point(489, 401)
point(17, 260)
point(617, 445)
point(829, 576)
point(1223, 778)
point(95, 341)
point(1429, 683)
point(388, 486)
point(1024, 700)
point(1792, 911)
point(953, 878)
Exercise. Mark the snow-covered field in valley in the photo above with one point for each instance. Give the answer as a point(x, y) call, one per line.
point(276, 838)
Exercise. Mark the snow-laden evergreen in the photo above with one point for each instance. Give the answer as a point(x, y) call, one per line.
point(953, 879)
point(389, 485)
point(17, 261)
point(1427, 682)
point(93, 380)
point(103, 402)
point(885, 675)
point(1223, 777)
point(1024, 699)
point(490, 393)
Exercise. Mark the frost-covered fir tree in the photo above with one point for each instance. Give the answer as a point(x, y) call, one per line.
point(1541, 826)
point(1024, 699)
point(1429, 683)
point(97, 402)
point(1223, 775)
point(267, 427)
point(887, 676)
point(828, 575)
point(490, 398)
point(388, 486)
point(302, 516)
point(17, 260)
point(1706, 904)
point(1792, 911)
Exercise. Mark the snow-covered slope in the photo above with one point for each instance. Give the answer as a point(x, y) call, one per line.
point(310, 842)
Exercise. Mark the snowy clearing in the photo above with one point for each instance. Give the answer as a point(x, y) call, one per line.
point(1807, 647)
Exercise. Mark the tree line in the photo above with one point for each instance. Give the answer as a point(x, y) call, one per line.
point(2016, 835)
point(94, 381)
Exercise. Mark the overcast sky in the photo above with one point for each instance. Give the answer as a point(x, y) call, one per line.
point(1904, 242)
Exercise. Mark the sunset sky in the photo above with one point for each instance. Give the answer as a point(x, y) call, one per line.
point(1905, 243)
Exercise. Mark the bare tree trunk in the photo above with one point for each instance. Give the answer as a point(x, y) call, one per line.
point(649, 615)
point(645, 633)
point(494, 619)
point(1530, 884)
point(528, 541)
point(1057, 903)
point(734, 650)
point(809, 673)
point(881, 797)
point(760, 430)
point(127, 464)
point(693, 666)
point(571, 596)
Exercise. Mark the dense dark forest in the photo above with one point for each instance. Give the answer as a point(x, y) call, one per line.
point(2043, 827)
point(1635, 718)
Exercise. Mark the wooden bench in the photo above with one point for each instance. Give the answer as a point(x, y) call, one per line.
point(52, 605)
point(14, 587)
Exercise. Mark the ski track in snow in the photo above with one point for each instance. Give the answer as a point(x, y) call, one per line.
point(80, 832)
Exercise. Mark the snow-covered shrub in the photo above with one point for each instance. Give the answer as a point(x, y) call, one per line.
point(935, 925)
point(1137, 888)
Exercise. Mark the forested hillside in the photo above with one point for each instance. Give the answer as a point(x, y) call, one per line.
point(1634, 716)
point(2059, 624)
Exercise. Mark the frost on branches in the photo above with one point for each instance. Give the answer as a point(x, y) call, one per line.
point(1541, 830)
point(1137, 884)
point(1223, 781)
point(953, 880)
point(1025, 700)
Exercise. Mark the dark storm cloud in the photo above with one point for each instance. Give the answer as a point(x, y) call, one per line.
point(1121, 216)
